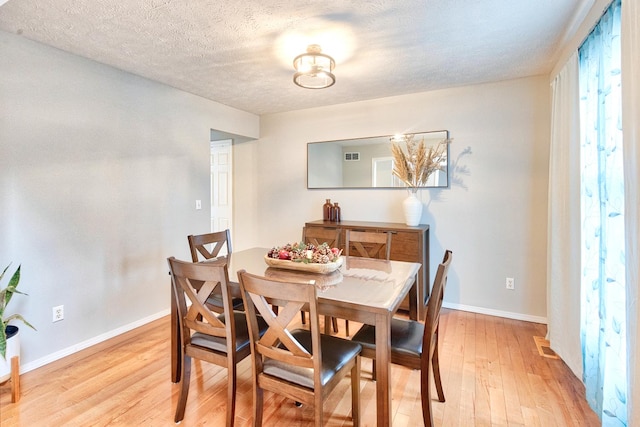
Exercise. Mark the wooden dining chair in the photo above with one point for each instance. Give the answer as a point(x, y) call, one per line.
point(208, 246)
point(318, 236)
point(368, 244)
point(302, 365)
point(414, 344)
point(222, 339)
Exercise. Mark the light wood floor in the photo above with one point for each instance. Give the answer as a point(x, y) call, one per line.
point(492, 376)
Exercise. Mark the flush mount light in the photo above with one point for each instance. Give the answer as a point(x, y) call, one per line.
point(314, 69)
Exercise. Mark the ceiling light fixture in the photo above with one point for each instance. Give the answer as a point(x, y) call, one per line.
point(314, 69)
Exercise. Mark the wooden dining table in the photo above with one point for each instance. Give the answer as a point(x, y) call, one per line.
point(364, 290)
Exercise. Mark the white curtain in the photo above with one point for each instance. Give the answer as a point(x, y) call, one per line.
point(563, 240)
point(630, 39)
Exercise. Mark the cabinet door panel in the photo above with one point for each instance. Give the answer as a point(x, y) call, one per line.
point(405, 246)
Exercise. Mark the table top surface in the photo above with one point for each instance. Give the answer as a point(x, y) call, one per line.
point(372, 283)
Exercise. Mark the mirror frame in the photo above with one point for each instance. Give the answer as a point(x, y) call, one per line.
point(334, 166)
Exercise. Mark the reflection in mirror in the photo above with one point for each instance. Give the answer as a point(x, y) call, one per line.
point(365, 163)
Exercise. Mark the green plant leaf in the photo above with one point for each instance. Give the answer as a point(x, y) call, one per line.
point(5, 297)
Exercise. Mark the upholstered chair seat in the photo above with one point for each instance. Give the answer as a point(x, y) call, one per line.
point(336, 353)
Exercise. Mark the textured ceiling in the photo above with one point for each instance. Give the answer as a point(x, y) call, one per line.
point(240, 52)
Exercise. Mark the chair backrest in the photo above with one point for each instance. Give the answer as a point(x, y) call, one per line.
point(370, 244)
point(198, 244)
point(278, 343)
point(433, 309)
point(196, 282)
point(319, 235)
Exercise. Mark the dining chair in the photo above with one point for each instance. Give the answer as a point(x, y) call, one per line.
point(221, 339)
point(414, 344)
point(208, 246)
point(318, 236)
point(302, 365)
point(368, 244)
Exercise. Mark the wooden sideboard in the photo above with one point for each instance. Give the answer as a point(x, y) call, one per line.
point(407, 244)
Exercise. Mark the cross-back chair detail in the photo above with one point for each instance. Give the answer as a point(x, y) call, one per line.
point(369, 244)
point(217, 240)
point(302, 365)
point(414, 344)
point(198, 245)
point(221, 339)
point(318, 236)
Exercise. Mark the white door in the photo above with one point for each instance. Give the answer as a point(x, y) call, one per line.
point(221, 185)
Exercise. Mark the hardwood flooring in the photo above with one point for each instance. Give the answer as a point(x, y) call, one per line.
point(492, 375)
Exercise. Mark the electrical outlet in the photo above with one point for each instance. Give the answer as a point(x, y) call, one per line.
point(198, 204)
point(510, 283)
point(58, 313)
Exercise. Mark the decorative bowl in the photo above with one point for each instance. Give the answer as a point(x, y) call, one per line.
point(302, 266)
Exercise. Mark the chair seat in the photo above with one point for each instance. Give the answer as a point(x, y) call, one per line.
point(336, 353)
point(406, 337)
point(216, 301)
point(220, 343)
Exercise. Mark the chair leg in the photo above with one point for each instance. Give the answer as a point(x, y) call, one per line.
point(303, 317)
point(425, 396)
point(258, 400)
point(330, 323)
point(346, 327)
point(355, 392)
point(436, 372)
point(231, 391)
point(185, 378)
point(318, 410)
point(373, 372)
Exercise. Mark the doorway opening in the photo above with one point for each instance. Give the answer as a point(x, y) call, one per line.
point(221, 185)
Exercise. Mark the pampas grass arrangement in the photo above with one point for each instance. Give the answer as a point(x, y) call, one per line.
point(415, 163)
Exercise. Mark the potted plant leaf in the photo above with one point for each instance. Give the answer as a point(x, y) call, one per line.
point(9, 339)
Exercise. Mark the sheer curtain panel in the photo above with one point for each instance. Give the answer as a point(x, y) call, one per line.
point(603, 332)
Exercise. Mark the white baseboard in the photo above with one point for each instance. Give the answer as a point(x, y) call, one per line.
point(126, 328)
point(498, 313)
point(88, 343)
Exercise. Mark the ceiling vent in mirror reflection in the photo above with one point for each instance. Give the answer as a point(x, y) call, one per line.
point(351, 157)
point(367, 162)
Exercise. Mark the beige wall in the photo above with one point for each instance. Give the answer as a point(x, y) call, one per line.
point(493, 217)
point(99, 171)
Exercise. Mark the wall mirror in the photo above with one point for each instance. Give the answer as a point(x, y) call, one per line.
point(365, 162)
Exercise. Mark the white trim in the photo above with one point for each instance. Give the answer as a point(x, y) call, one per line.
point(498, 313)
point(126, 328)
point(90, 342)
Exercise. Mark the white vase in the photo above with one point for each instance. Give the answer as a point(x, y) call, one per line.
point(412, 207)
point(13, 349)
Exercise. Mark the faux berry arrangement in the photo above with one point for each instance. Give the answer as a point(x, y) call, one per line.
point(306, 253)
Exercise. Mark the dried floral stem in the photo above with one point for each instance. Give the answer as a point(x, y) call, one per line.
point(415, 165)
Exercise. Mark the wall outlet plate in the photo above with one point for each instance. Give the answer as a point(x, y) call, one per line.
point(58, 313)
point(510, 283)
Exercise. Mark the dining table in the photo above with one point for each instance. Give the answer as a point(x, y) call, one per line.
point(364, 290)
